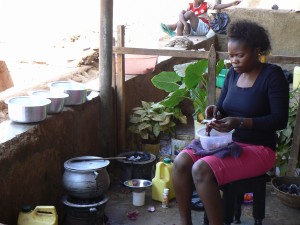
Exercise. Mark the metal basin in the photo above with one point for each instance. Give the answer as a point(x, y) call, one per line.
point(57, 99)
point(27, 109)
point(77, 92)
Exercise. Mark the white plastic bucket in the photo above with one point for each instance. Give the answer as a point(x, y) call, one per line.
point(138, 198)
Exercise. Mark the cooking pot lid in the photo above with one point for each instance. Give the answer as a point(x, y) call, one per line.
point(86, 163)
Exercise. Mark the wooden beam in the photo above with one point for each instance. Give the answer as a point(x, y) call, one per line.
point(197, 54)
point(120, 93)
point(211, 81)
point(162, 52)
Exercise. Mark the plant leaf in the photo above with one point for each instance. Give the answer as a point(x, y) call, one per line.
point(175, 98)
point(194, 73)
point(159, 117)
point(180, 68)
point(143, 126)
point(220, 66)
point(156, 129)
point(165, 121)
point(166, 81)
point(146, 105)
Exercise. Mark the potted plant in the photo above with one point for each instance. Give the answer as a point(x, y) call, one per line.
point(148, 122)
point(187, 81)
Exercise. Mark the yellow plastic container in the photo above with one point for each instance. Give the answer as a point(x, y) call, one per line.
point(41, 215)
point(162, 180)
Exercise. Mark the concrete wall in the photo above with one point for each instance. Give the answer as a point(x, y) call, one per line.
point(31, 162)
point(283, 27)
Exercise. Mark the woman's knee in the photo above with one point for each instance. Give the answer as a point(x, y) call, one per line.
point(182, 163)
point(201, 171)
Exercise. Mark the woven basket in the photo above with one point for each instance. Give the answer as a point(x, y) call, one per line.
point(287, 199)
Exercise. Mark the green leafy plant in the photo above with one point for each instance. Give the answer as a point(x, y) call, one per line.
point(189, 81)
point(285, 136)
point(151, 119)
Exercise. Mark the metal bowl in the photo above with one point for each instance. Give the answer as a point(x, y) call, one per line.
point(138, 184)
point(57, 99)
point(27, 109)
point(77, 92)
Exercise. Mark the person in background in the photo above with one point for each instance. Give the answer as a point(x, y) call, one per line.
point(194, 21)
point(254, 102)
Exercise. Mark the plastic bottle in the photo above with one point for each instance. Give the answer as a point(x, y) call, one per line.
point(41, 215)
point(162, 180)
point(165, 201)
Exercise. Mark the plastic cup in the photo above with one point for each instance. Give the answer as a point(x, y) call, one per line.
point(138, 198)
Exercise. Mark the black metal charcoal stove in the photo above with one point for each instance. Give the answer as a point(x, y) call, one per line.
point(84, 211)
point(137, 165)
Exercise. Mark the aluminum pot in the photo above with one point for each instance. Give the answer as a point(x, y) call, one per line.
point(57, 99)
point(86, 177)
point(77, 91)
point(27, 109)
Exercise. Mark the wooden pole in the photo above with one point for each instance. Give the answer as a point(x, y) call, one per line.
point(120, 93)
point(211, 81)
point(105, 77)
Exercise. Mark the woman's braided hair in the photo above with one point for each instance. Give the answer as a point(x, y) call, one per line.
point(250, 32)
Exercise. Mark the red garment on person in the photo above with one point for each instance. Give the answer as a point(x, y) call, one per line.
point(200, 10)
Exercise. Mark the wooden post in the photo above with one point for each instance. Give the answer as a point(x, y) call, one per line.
point(211, 81)
point(120, 92)
point(105, 78)
point(293, 158)
point(5, 78)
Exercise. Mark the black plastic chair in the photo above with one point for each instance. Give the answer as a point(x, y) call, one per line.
point(233, 195)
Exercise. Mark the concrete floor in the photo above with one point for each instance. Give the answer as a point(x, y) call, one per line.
point(120, 203)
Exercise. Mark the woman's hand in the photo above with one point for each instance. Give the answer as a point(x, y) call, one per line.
point(211, 111)
point(226, 124)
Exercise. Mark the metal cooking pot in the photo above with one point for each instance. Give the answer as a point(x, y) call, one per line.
point(77, 91)
point(27, 109)
point(57, 99)
point(86, 177)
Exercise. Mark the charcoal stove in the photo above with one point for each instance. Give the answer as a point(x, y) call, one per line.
point(84, 212)
point(137, 165)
